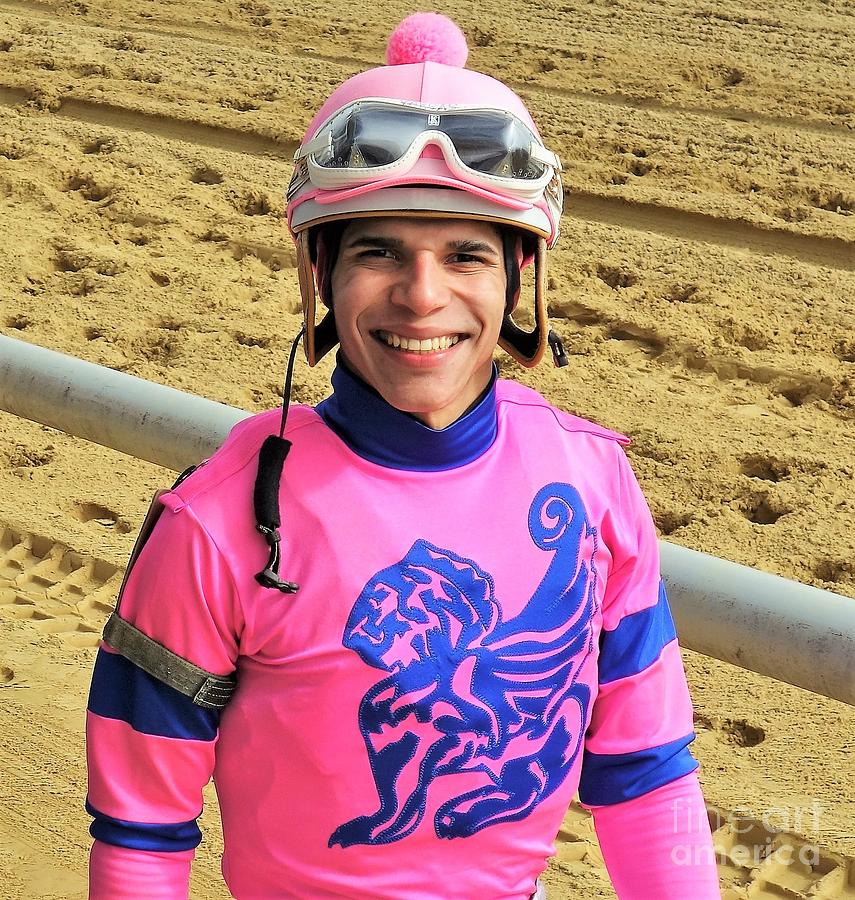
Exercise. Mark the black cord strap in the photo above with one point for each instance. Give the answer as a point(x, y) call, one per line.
point(265, 497)
point(265, 500)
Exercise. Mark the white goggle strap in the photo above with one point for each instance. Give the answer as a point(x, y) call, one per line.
point(542, 155)
point(321, 141)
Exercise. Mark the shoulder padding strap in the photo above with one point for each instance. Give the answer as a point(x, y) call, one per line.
point(203, 688)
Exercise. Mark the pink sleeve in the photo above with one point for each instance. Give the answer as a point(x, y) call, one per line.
point(659, 845)
point(150, 749)
point(118, 873)
point(641, 723)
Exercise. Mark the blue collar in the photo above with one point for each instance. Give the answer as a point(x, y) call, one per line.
point(384, 435)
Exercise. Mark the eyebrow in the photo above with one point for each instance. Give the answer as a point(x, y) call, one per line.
point(369, 240)
point(465, 245)
point(473, 246)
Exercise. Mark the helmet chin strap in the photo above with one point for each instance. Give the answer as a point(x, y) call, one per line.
point(320, 338)
point(528, 347)
point(324, 256)
point(325, 251)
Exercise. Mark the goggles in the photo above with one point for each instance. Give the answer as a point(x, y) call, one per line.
point(374, 140)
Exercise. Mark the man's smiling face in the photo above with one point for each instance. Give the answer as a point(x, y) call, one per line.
point(418, 306)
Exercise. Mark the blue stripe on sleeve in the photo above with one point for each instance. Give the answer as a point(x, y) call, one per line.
point(614, 777)
point(142, 835)
point(637, 642)
point(121, 690)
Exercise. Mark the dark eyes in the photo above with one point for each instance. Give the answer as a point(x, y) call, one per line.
point(377, 253)
point(387, 253)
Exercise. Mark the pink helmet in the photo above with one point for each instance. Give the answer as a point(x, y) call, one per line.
point(393, 140)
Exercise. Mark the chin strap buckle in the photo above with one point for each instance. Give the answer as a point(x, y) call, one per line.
point(556, 345)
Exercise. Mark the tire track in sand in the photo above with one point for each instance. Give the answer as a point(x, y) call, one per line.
point(835, 253)
point(721, 114)
point(218, 137)
point(717, 113)
point(55, 588)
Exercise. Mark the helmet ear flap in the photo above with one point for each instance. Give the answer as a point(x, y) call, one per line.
point(528, 347)
point(322, 336)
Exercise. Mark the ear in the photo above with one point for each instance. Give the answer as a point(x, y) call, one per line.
point(527, 348)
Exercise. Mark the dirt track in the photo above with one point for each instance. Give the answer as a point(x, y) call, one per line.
point(703, 287)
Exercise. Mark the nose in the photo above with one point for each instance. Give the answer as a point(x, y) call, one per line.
point(421, 287)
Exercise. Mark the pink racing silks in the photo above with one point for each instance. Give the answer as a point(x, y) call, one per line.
point(465, 652)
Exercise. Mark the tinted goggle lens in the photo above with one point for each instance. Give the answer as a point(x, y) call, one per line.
point(366, 136)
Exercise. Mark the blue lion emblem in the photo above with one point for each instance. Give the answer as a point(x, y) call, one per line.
point(500, 698)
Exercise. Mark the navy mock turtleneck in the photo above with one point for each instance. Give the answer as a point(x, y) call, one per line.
point(384, 435)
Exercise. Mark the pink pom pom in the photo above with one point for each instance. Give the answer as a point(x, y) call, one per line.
point(427, 37)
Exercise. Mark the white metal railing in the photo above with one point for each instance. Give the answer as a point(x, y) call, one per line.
point(777, 627)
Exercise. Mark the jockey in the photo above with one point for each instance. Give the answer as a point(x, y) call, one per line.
point(401, 651)
point(426, 139)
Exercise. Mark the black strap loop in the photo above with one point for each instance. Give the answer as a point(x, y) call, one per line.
point(265, 496)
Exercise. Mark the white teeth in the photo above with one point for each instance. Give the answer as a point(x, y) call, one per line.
point(416, 346)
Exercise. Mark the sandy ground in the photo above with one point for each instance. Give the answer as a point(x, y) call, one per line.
point(703, 288)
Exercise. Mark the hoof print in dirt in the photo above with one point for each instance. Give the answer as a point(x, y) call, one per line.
point(206, 175)
point(100, 515)
point(763, 508)
point(670, 520)
point(22, 456)
point(254, 203)
point(834, 571)
point(19, 322)
point(764, 468)
point(616, 277)
point(88, 188)
point(732, 731)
